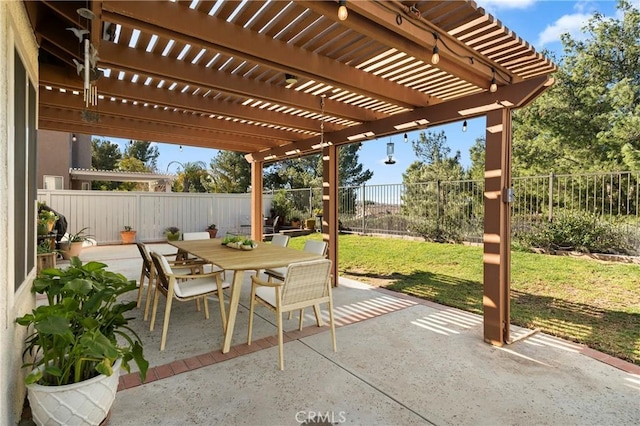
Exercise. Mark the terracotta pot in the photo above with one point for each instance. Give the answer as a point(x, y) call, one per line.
point(70, 250)
point(212, 232)
point(128, 237)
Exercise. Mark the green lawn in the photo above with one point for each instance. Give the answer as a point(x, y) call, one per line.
point(586, 301)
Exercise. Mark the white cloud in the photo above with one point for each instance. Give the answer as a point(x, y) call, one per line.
point(571, 24)
point(506, 4)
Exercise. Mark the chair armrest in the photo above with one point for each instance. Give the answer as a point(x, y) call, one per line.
point(258, 281)
point(209, 275)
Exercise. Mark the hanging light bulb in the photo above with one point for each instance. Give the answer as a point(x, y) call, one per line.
point(494, 86)
point(406, 138)
point(464, 126)
point(435, 56)
point(390, 149)
point(180, 148)
point(290, 79)
point(343, 13)
point(73, 138)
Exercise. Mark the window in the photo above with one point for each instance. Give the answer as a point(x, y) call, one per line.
point(53, 182)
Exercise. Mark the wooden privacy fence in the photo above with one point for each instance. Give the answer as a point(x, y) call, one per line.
point(106, 213)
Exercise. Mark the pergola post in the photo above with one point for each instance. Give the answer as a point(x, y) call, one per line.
point(330, 206)
point(497, 227)
point(257, 220)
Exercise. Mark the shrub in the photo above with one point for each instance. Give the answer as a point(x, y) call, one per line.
point(581, 232)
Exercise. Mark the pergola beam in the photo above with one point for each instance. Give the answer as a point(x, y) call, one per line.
point(514, 95)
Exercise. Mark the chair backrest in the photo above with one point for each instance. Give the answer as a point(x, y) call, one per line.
point(280, 240)
point(146, 257)
point(187, 236)
point(162, 269)
point(317, 247)
point(306, 281)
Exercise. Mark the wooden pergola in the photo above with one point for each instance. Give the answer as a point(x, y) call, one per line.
point(274, 79)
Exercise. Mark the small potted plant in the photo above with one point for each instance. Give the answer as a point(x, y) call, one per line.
point(212, 230)
point(74, 243)
point(46, 220)
point(77, 342)
point(295, 222)
point(248, 244)
point(128, 235)
point(173, 233)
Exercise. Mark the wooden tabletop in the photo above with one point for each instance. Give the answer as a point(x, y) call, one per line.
point(265, 256)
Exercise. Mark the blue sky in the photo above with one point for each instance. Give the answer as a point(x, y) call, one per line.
point(539, 22)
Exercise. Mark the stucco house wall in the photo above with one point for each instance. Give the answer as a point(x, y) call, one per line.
point(15, 33)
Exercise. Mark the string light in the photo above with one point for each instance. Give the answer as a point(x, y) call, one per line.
point(180, 148)
point(406, 138)
point(73, 138)
point(464, 126)
point(435, 57)
point(343, 13)
point(494, 86)
point(290, 79)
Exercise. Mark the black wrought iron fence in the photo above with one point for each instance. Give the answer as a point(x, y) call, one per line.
point(454, 210)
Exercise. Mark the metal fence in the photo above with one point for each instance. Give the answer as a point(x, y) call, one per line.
point(448, 208)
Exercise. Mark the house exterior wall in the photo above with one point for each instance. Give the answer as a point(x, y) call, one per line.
point(54, 156)
point(57, 152)
point(15, 34)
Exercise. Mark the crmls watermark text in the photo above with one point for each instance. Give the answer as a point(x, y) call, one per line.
point(321, 417)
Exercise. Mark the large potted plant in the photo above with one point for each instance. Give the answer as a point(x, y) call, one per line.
point(72, 246)
point(128, 235)
point(78, 342)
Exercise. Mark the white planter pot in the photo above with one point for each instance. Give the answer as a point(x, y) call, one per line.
point(84, 403)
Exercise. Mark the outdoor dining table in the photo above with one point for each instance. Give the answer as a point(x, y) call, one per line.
point(264, 256)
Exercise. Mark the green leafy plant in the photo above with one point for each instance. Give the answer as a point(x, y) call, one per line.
point(75, 337)
point(172, 230)
point(212, 226)
point(46, 216)
point(128, 228)
point(248, 242)
point(80, 236)
point(231, 239)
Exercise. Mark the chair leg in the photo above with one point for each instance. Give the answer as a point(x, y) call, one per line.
point(316, 308)
point(198, 304)
point(280, 339)
point(333, 326)
point(154, 310)
point(252, 307)
point(142, 275)
point(152, 280)
point(165, 326)
point(301, 318)
point(206, 307)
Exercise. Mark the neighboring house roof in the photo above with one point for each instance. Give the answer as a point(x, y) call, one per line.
point(118, 175)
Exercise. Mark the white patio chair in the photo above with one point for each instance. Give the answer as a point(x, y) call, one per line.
point(280, 240)
point(184, 288)
point(305, 284)
point(310, 246)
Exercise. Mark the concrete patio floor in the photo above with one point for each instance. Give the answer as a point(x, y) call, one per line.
point(400, 361)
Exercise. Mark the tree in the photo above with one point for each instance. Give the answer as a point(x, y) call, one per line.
point(230, 172)
point(105, 155)
point(430, 193)
point(593, 111)
point(194, 177)
point(477, 154)
point(131, 164)
point(145, 151)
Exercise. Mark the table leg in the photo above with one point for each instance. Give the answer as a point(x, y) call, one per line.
point(234, 300)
